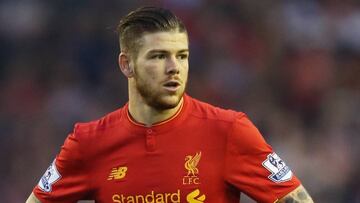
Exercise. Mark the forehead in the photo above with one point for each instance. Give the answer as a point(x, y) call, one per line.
point(168, 41)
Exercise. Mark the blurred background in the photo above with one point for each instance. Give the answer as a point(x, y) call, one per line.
point(292, 66)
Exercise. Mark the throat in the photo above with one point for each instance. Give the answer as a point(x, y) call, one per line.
point(148, 116)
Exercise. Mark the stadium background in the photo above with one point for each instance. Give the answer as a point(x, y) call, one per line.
point(293, 66)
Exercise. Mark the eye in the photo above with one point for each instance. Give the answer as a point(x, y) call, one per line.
point(158, 56)
point(182, 56)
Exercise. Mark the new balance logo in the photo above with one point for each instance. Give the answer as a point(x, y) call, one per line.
point(117, 173)
point(193, 197)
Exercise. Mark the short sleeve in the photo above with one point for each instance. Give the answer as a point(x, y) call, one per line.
point(66, 179)
point(253, 167)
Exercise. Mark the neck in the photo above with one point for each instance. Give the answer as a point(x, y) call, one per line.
point(142, 113)
point(147, 115)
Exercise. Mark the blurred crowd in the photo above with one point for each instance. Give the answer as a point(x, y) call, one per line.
point(292, 66)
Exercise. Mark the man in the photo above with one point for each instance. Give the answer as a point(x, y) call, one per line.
point(163, 145)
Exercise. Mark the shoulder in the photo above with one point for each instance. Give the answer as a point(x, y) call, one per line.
point(242, 135)
point(80, 145)
point(241, 130)
point(208, 111)
point(91, 129)
point(245, 137)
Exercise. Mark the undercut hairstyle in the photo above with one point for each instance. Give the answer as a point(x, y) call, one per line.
point(145, 20)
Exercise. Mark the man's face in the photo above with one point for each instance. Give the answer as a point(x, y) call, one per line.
point(161, 69)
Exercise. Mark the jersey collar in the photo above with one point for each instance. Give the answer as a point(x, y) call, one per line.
point(162, 126)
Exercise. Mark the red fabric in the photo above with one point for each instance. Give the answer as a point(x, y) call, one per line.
point(247, 150)
point(116, 160)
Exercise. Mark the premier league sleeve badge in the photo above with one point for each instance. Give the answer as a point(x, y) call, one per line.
point(50, 176)
point(280, 172)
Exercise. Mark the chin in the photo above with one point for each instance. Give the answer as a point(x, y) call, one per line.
point(166, 102)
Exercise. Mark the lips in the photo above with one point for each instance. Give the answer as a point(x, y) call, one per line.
point(172, 85)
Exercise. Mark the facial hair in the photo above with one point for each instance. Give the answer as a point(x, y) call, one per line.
point(153, 97)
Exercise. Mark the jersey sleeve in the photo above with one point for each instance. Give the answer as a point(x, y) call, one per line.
point(253, 167)
point(66, 179)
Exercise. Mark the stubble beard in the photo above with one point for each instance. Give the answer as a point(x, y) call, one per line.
point(156, 99)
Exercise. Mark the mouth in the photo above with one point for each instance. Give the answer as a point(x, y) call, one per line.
point(172, 85)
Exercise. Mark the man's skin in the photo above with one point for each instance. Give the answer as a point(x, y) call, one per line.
point(299, 195)
point(32, 199)
point(163, 59)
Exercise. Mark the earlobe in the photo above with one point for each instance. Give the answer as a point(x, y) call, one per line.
point(124, 64)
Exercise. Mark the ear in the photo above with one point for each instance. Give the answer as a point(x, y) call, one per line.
point(124, 64)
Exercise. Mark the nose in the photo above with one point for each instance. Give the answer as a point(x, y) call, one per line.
point(172, 66)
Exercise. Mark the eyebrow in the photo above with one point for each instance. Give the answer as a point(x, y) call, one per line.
point(164, 51)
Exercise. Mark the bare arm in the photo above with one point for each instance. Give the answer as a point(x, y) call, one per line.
point(32, 199)
point(299, 195)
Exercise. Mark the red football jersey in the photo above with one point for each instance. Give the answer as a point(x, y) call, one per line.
point(202, 154)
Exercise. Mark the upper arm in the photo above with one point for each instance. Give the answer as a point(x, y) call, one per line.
point(67, 178)
point(299, 195)
point(32, 199)
point(253, 167)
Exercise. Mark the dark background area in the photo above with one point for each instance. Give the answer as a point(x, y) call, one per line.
point(292, 66)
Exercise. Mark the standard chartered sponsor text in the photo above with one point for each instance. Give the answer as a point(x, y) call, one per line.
point(151, 197)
